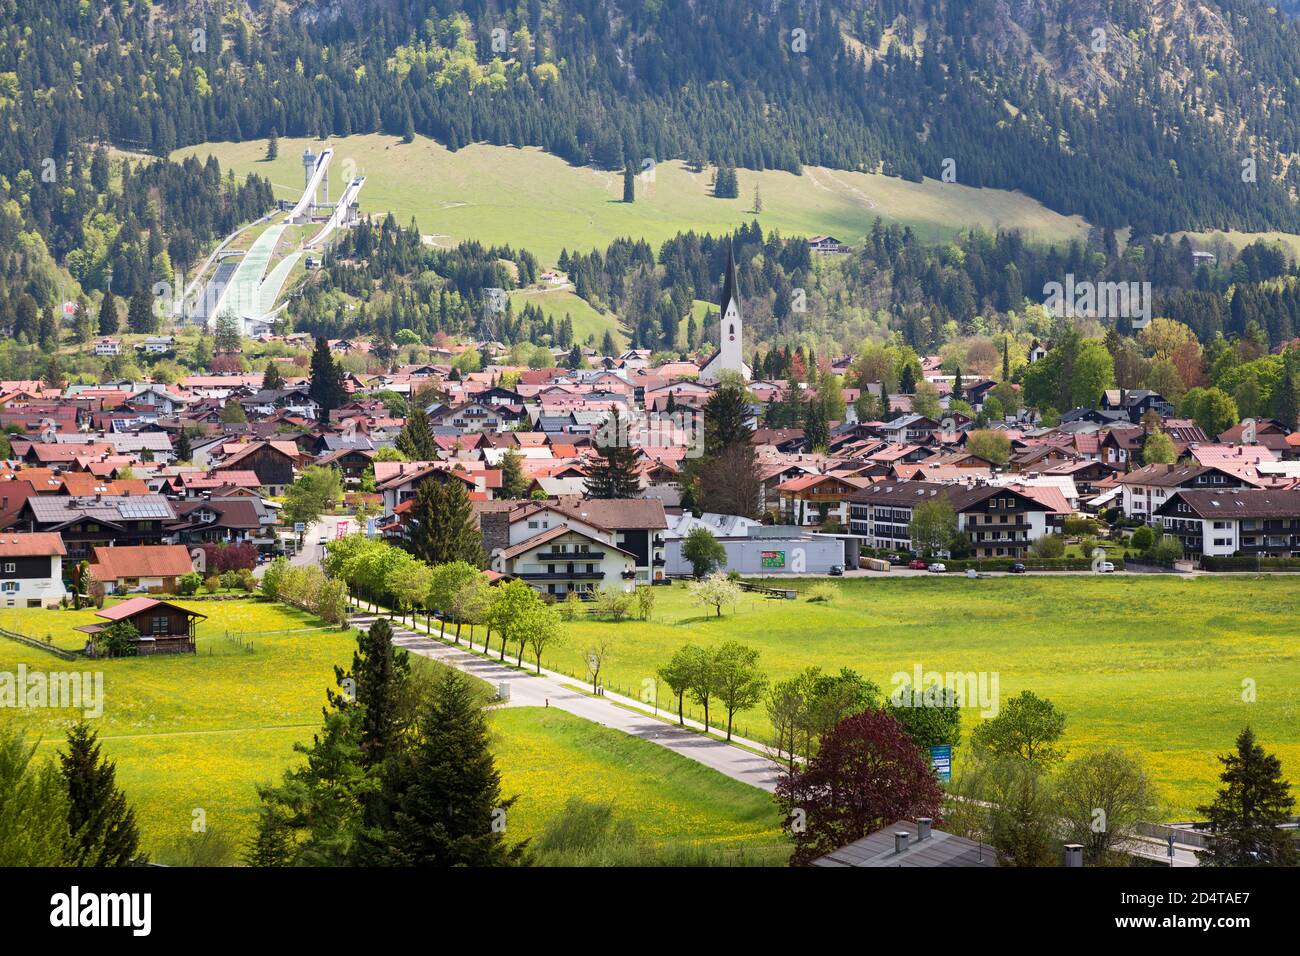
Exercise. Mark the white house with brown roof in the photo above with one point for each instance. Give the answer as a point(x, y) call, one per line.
point(31, 569)
point(564, 559)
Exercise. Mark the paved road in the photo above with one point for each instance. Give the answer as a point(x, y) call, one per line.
point(549, 690)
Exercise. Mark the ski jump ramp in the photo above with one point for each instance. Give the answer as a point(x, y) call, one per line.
point(342, 209)
point(302, 212)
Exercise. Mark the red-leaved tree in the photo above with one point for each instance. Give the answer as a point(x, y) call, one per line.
point(230, 557)
point(867, 773)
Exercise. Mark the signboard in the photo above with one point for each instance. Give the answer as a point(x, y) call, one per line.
point(341, 530)
point(299, 527)
point(773, 560)
point(941, 761)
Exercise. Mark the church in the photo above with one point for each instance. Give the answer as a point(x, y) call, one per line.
point(730, 354)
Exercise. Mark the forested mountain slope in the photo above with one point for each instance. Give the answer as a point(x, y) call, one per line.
point(1128, 112)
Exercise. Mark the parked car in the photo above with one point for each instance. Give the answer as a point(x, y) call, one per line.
point(938, 567)
point(836, 571)
point(1106, 567)
point(916, 564)
point(897, 560)
point(1018, 568)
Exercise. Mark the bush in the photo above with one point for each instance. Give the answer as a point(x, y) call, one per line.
point(613, 604)
point(332, 602)
point(823, 592)
point(246, 580)
point(1166, 550)
point(1048, 546)
point(1143, 538)
point(189, 583)
point(119, 640)
point(212, 583)
point(230, 557)
point(273, 579)
point(230, 580)
point(570, 607)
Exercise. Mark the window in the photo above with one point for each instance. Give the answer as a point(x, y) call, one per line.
point(9, 587)
point(10, 567)
point(160, 624)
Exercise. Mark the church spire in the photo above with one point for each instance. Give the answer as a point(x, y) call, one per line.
point(730, 288)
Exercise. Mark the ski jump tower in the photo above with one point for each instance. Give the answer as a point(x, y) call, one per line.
point(309, 161)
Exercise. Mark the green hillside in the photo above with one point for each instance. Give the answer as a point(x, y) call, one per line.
point(528, 198)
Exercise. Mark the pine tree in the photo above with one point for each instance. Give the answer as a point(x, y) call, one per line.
point(450, 806)
point(272, 146)
point(381, 671)
point(102, 823)
point(726, 418)
point(108, 320)
point(415, 440)
point(514, 483)
point(271, 378)
point(629, 183)
point(140, 317)
point(272, 843)
point(1243, 820)
point(326, 379)
point(614, 474)
point(184, 450)
point(442, 526)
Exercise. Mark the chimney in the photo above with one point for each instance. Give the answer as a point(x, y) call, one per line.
point(1073, 855)
point(923, 828)
point(900, 841)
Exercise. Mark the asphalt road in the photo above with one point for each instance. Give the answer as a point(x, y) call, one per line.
point(549, 690)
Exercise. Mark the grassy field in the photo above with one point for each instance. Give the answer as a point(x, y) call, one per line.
point(547, 756)
point(1156, 664)
point(561, 302)
point(530, 199)
point(198, 733)
point(195, 733)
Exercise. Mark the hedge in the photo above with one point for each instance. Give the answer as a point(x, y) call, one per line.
point(1248, 563)
point(1031, 564)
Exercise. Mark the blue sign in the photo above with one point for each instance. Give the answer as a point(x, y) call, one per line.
point(941, 761)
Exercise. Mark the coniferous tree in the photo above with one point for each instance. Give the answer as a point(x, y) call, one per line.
point(326, 379)
point(415, 440)
point(450, 811)
point(629, 183)
point(140, 317)
point(271, 378)
point(514, 483)
point(614, 473)
point(108, 320)
point(101, 821)
point(184, 450)
point(442, 526)
point(1242, 822)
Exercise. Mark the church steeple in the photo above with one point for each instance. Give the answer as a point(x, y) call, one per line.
point(729, 356)
point(730, 287)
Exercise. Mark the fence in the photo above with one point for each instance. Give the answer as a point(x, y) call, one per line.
point(39, 645)
point(787, 594)
point(1162, 832)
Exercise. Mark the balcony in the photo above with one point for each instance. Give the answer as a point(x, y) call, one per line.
point(561, 575)
point(659, 541)
point(629, 574)
point(580, 556)
point(659, 561)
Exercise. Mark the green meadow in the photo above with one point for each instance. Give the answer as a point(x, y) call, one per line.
point(548, 757)
point(195, 734)
point(527, 198)
point(1161, 665)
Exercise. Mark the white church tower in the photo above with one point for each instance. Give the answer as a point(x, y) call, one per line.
point(730, 354)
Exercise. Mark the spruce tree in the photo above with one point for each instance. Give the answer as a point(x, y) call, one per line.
point(726, 418)
point(442, 527)
point(514, 483)
point(1243, 820)
point(184, 450)
point(326, 379)
point(108, 320)
point(450, 811)
point(614, 474)
point(101, 822)
point(415, 440)
point(140, 317)
point(271, 378)
point(629, 183)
